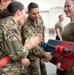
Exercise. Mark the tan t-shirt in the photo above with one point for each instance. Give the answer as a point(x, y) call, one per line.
point(59, 25)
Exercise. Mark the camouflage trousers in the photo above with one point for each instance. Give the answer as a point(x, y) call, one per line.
point(37, 67)
point(10, 71)
point(64, 72)
point(11, 68)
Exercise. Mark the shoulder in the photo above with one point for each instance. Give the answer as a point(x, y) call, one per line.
point(40, 21)
point(27, 20)
point(57, 24)
point(6, 22)
point(40, 18)
point(27, 23)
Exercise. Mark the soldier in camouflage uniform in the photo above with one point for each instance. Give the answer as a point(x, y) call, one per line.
point(10, 41)
point(34, 25)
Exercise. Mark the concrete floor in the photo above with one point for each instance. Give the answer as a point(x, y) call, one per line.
point(51, 69)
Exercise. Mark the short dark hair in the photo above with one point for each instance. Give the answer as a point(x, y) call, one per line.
point(32, 5)
point(14, 6)
point(60, 16)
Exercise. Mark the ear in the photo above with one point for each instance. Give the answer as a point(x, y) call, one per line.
point(18, 12)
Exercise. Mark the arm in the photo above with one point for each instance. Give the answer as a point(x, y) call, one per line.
point(27, 33)
point(58, 33)
point(37, 50)
point(13, 46)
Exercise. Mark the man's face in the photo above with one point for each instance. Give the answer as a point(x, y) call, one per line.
point(34, 14)
point(22, 17)
point(61, 18)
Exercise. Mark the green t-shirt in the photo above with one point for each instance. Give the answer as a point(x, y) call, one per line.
point(68, 33)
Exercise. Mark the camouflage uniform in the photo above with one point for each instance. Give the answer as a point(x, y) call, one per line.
point(11, 45)
point(37, 66)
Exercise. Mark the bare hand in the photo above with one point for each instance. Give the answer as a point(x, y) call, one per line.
point(33, 41)
point(59, 66)
point(25, 62)
point(47, 56)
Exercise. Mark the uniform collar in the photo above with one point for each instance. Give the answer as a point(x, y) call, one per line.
point(32, 22)
point(13, 20)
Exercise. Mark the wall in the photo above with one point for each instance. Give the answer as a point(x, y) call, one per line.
point(50, 16)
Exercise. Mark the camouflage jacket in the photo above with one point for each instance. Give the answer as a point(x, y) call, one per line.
point(29, 28)
point(10, 41)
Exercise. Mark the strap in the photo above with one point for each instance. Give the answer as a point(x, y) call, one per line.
point(4, 60)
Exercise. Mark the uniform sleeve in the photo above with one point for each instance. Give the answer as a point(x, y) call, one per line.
point(37, 50)
point(12, 45)
point(57, 26)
